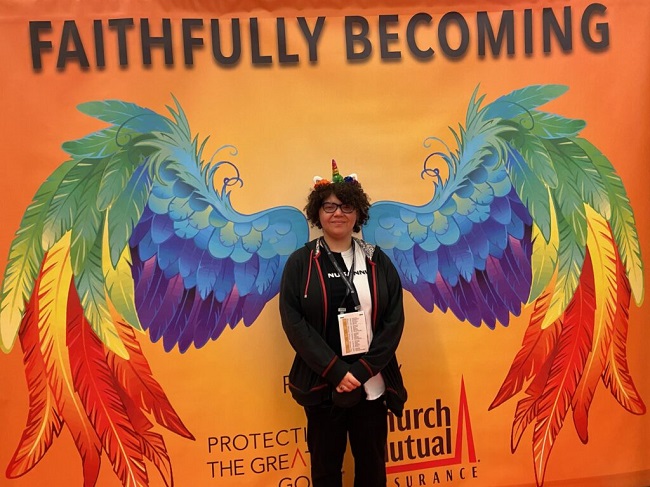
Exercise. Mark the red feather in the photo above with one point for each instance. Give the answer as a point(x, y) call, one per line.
point(99, 393)
point(135, 377)
point(573, 347)
point(527, 407)
point(537, 345)
point(153, 444)
point(616, 375)
point(606, 291)
point(44, 421)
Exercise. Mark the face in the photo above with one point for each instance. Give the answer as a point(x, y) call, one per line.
point(337, 225)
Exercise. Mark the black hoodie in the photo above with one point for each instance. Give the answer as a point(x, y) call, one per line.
point(304, 308)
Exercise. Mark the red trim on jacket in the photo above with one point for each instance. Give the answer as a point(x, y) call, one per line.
point(374, 293)
point(329, 366)
point(365, 364)
point(311, 253)
point(322, 285)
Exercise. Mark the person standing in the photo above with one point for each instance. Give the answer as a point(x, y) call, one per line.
point(341, 309)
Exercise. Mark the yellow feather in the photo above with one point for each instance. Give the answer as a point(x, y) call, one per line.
point(603, 257)
point(549, 260)
point(54, 288)
point(544, 258)
point(119, 284)
point(53, 292)
point(10, 318)
point(602, 250)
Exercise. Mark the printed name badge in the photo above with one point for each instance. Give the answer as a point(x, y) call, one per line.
point(354, 333)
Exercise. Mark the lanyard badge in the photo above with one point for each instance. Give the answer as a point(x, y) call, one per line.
point(353, 327)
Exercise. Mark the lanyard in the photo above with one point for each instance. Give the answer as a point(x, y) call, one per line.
point(347, 279)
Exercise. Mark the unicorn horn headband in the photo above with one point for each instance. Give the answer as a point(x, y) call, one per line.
point(336, 177)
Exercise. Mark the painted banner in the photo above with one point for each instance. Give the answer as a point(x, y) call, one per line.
point(157, 157)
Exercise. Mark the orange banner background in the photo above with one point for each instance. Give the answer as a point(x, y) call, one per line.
point(287, 122)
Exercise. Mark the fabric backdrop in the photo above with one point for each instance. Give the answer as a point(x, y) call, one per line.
point(292, 85)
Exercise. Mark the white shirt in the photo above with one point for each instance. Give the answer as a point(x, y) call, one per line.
point(374, 386)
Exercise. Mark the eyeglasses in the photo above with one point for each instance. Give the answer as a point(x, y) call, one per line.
point(329, 207)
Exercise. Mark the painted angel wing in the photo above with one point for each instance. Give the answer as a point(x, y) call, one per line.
point(198, 264)
point(130, 233)
point(530, 213)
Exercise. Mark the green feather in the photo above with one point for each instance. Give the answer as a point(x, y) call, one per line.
point(89, 283)
point(534, 152)
point(119, 170)
point(621, 218)
point(117, 173)
point(571, 256)
point(88, 220)
point(99, 144)
point(583, 171)
point(549, 125)
point(25, 257)
point(532, 192)
point(125, 213)
point(569, 200)
point(65, 202)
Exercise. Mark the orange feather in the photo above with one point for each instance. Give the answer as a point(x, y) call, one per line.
point(153, 444)
point(135, 377)
point(537, 345)
point(616, 375)
point(572, 349)
point(527, 407)
point(44, 421)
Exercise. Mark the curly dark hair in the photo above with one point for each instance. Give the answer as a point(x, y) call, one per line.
point(348, 193)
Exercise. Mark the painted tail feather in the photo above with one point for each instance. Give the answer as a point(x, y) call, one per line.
point(134, 375)
point(44, 421)
point(538, 345)
point(76, 380)
point(572, 349)
point(96, 387)
point(616, 375)
point(604, 257)
point(565, 361)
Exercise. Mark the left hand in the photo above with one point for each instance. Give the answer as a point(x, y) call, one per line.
point(348, 383)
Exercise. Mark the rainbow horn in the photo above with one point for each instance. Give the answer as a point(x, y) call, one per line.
point(336, 176)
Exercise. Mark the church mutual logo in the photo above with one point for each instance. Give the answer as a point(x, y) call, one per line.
point(423, 450)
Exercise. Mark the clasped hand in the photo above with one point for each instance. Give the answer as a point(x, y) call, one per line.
point(348, 383)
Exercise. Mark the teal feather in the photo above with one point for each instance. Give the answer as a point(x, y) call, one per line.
point(124, 114)
point(525, 99)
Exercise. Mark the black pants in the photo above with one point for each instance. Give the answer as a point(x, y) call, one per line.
point(328, 428)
